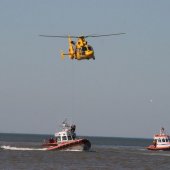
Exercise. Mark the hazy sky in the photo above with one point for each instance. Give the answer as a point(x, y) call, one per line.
point(125, 92)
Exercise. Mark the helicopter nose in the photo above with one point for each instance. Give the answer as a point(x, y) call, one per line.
point(90, 53)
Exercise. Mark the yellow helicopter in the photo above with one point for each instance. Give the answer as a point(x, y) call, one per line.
point(80, 50)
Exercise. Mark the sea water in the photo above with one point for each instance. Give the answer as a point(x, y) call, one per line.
point(22, 151)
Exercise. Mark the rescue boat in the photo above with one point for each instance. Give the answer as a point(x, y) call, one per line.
point(66, 140)
point(161, 141)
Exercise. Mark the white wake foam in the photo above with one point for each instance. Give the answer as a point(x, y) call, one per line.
point(72, 150)
point(22, 149)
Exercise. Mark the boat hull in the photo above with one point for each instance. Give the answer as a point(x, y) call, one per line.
point(157, 148)
point(78, 145)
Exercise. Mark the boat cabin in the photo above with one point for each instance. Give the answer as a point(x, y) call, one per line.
point(162, 138)
point(67, 133)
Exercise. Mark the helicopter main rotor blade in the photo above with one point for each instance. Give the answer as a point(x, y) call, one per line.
point(103, 35)
point(59, 36)
point(91, 35)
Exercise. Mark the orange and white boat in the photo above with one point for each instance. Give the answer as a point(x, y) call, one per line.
point(161, 141)
point(66, 140)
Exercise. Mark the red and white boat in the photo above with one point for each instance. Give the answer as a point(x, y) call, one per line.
point(66, 140)
point(161, 141)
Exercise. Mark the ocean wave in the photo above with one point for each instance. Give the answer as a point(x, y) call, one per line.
point(158, 153)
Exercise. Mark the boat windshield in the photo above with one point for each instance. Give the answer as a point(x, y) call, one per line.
point(64, 138)
point(58, 138)
point(69, 138)
point(163, 140)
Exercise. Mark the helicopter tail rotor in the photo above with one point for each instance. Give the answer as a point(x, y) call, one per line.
point(62, 55)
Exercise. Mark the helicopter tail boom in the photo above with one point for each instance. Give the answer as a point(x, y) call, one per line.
point(64, 54)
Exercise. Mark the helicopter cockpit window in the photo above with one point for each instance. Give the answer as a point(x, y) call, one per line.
point(90, 48)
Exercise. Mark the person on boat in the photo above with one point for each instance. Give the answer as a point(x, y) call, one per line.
point(51, 140)
point(55, 140)
point(73, 128)
point(154, 143)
